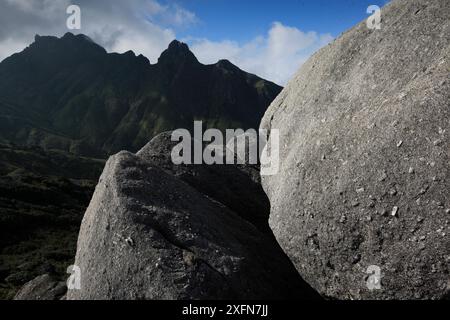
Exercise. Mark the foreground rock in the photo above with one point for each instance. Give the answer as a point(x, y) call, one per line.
point(237, 187)
point(155, 231)
point(365, 160)
point(44, 287)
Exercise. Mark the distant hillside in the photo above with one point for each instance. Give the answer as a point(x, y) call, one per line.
point(43, 195)
point(70, 94)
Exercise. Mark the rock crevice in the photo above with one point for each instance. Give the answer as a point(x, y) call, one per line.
point(151, 232)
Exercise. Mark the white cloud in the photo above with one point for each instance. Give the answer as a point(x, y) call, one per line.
point(123, 39)
point(9, 46)
point(183, 17)
point(135, 25)
point(276, 56)
point(147, 27)
point(144, 26)
point(172, 14)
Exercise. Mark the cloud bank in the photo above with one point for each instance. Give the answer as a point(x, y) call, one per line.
point(276, 56)
point(144, 26)
point(148, 26)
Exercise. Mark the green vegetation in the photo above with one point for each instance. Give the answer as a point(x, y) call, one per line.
point(43, 195)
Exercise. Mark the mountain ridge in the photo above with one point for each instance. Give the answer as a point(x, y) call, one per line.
point(70, 94)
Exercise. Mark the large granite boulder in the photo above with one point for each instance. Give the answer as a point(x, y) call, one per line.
point(158, 231)
point(364, 181)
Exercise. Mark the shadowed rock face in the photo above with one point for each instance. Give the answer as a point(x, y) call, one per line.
point(236, 186)
point(365, 158)
point(44, 287)
point(153, 231)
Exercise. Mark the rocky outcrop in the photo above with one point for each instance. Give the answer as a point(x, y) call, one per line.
point(158, 231)
point(44, 287)
point(365, 156)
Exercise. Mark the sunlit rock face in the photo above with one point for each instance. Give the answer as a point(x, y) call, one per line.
point(365, 157)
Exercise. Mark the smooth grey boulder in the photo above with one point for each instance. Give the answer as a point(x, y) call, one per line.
point(44, 287)
point(365, 157)
point(153, 231)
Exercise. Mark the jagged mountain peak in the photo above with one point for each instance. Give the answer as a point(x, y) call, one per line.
point(80, 37)
point(176, 45)
point(177, 52)
point(67, 36)
point(68, 42)
point(94, 103)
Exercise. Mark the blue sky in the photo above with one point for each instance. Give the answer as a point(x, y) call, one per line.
point(243, 20)
point(269, 38)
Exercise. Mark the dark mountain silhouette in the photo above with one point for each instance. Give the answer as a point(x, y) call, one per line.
point(70, 94)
